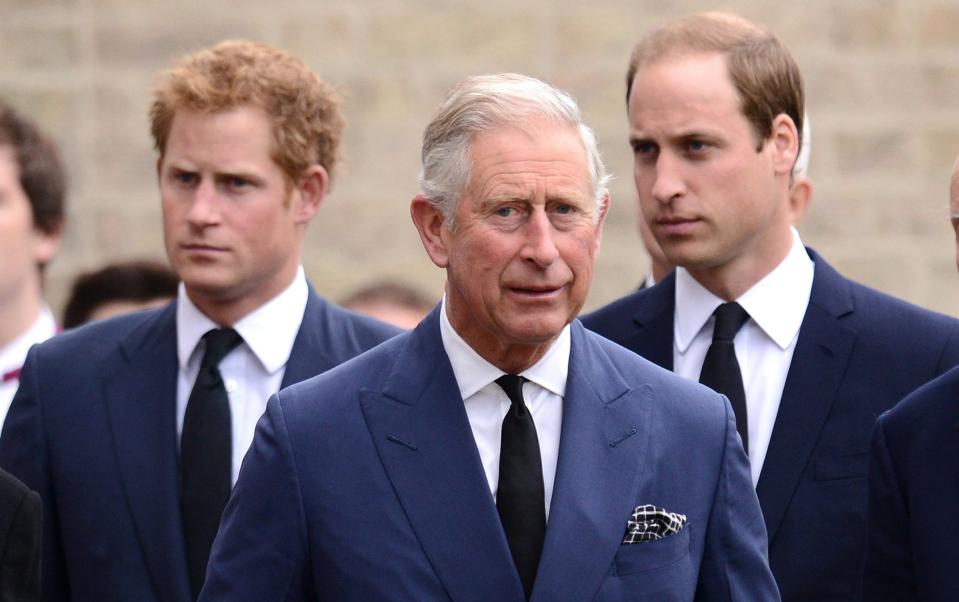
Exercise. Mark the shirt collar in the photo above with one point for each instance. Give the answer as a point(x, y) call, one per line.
point(473, 372)
point(777, 303)
point(269, 330)
point(13, 354)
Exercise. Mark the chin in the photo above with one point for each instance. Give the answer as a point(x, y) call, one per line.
point(542, 331)
point(209, 287)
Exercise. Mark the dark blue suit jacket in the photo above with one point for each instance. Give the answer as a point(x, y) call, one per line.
point(858, 353)
point(92, 429)
point(365, 484)
point(914, 497)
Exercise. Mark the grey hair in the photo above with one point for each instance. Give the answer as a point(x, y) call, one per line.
point(483, 103)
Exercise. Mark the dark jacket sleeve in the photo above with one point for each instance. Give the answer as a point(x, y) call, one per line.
point(20, 524)
point(888, 570)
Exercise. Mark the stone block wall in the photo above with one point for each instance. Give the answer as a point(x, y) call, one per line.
point(882, 80)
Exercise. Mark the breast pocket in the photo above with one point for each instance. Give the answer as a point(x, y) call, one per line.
point(650, 555)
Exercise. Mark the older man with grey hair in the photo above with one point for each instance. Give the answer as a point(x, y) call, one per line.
point(499, 451)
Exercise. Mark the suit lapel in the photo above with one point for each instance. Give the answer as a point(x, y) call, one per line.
point(815, 373)
point(422, 434)
point(604, 435)
point(141, 404)
point(309, 356)
point(653, 337)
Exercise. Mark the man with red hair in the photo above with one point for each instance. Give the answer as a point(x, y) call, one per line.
point(132, 429)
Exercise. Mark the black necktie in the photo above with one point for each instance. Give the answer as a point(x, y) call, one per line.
point(520, 499)
point(721, 369)
point(206, 454)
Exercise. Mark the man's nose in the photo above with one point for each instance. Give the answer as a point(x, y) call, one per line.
point(669, 183)
point(540, 246)
point(204, 206)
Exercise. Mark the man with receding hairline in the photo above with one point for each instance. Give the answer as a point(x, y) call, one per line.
point(806, 357)
point(132, 429)
point(498, 451)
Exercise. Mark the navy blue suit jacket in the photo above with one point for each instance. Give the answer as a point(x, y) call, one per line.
point(366, 484)
point(914, 497)
point(92, 429)
point(858, 353)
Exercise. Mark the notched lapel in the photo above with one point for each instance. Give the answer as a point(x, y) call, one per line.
point(422, 434)
point(308, 356)
point(815, 374)
point(141, 404)
point(602, 453)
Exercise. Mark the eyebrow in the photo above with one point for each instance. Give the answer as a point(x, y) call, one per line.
point(228, 172)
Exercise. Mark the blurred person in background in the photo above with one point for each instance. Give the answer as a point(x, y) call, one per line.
point(32, 196)
point(392, 302)
point(117, 289)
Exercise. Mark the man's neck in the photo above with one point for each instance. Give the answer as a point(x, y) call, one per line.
point(730, 280)
point(18, 313)
point(227, 310)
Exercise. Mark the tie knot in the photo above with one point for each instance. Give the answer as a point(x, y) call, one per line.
point(730, 317)
point(512, 384)
point(219, 342)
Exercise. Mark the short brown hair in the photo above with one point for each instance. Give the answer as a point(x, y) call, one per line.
point(760, 67)
point(42, 176)
point(304, 110)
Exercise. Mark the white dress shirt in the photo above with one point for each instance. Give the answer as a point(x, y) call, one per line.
point(764, 346)
point(253, 371)
point(487, 403)
point(13, 355)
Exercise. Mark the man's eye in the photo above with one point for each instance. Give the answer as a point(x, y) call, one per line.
point(565, 209)
point(696, 145)
point(644, 148)
point(505, 211)
point(237, 183)
point(184, 177)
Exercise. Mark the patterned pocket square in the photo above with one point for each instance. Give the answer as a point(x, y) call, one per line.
point(650, 523)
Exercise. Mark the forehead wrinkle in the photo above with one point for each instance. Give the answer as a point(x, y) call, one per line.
point(527, 178)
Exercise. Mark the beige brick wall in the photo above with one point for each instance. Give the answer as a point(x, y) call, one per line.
point(882, 79)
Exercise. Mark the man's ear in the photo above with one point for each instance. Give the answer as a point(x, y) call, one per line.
point(800, 196)
point(310, 191)
point(431, 225)
point(784, 138)
point(600, 220)
point(46, 243)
